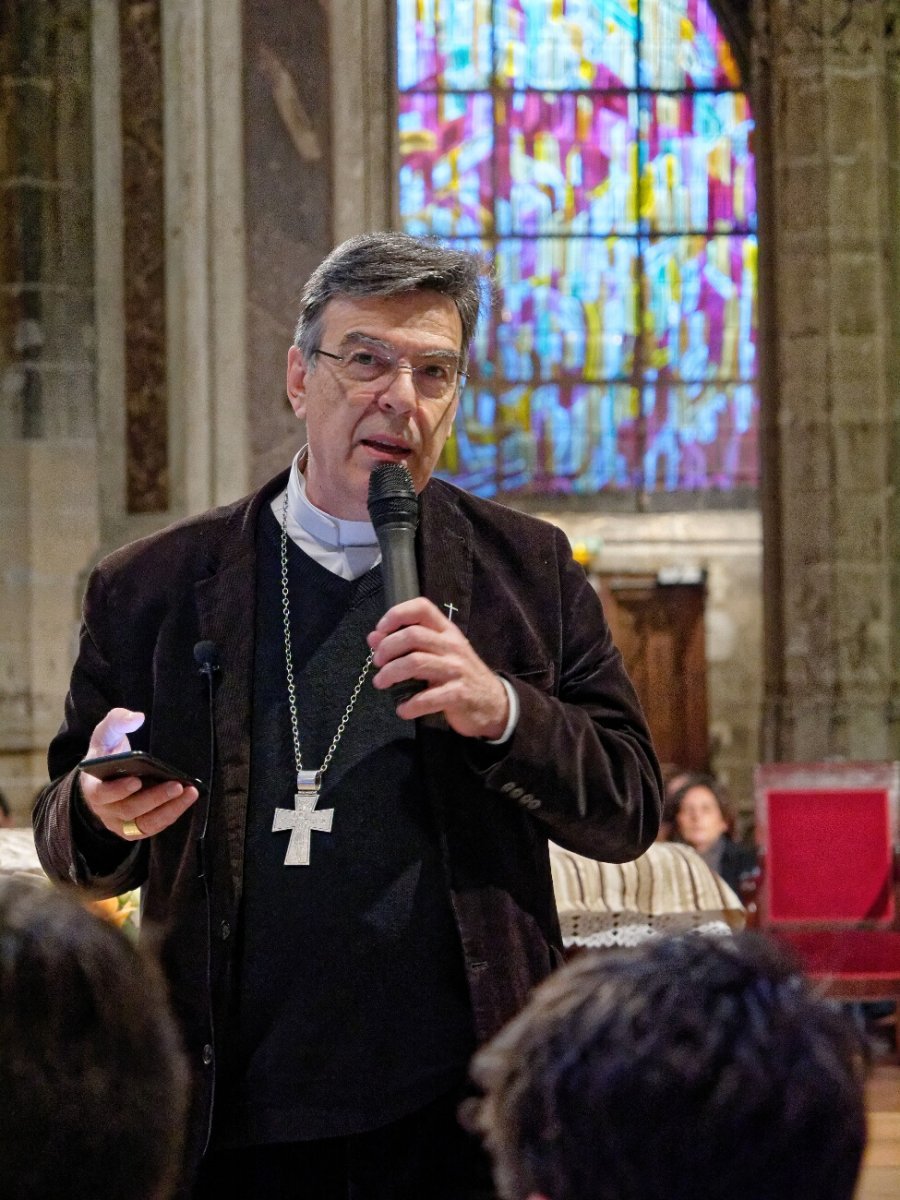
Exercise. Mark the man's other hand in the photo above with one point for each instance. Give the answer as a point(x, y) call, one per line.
point(123, 806)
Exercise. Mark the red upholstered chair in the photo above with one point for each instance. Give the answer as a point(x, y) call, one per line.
point(828, 843)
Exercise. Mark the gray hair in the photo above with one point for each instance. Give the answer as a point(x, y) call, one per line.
point(391, 264)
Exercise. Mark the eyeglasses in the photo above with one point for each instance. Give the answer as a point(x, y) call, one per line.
point(435, 379)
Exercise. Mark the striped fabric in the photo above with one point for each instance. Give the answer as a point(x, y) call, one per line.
point(670, 889)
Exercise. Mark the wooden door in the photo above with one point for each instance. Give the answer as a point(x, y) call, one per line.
point(659, 630)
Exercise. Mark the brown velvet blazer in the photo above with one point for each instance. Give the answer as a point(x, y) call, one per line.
point(579, 769)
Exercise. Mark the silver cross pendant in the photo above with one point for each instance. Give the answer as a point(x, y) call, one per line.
point(302, 819)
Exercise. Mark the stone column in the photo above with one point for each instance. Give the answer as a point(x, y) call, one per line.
point(47, 416)
point(825, 82)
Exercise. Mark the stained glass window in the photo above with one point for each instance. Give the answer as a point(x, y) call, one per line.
point(599, 153)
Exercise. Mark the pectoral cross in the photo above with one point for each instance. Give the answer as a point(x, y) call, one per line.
point(302, 819)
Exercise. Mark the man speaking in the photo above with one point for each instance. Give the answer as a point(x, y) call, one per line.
point(362, 894)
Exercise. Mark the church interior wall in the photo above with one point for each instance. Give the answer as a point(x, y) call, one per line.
point(277, 142)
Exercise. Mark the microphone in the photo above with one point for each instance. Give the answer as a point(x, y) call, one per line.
point(206, 656)
point(394, 512)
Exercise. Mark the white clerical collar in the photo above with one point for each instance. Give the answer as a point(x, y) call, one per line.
point(333, 532)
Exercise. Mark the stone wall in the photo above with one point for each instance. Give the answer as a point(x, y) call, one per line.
point(48, 526)
point(826, 83)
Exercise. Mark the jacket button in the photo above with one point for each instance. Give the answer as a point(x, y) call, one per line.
point(225, 931)
point(207, 1054)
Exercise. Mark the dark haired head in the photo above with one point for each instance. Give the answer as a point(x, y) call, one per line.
point(688, 1067)
point(92, 1076)
point(391, 264)
point(698, 779)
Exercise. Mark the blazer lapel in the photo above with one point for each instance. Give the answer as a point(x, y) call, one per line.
point(444, 552)
point(226, 610)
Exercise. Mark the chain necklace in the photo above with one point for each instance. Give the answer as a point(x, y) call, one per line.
point(303, 818)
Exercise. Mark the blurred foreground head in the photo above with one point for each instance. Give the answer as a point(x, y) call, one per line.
point(91, 1072)
point(688, 1067)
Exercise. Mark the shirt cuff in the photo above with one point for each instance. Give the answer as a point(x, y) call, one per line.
point(513, 718)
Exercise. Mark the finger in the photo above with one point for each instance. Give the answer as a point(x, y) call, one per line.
point(148, 799)
point(163, 815)
point(426, 667)
point(109, 736)
point(414, 638)
point(419, 611)
point(151, 818)
point(100, 794)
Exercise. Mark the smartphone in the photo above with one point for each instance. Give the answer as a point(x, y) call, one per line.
point(139, 763)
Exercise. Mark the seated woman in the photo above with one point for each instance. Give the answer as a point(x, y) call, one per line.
point(703, 818)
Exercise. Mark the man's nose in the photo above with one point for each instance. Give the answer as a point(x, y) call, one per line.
point(399, 394)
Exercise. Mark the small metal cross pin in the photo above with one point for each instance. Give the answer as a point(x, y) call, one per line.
point(451, 609)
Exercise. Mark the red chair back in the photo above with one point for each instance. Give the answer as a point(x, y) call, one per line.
point(828, 836)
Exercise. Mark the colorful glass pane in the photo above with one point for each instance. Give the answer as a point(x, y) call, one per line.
point(566, 44)
point(569, 308)
point(575, 438)
point(695, 437)
point(443, 44)
point(700, 316)
point(446, 146)
point(697, 170)
point(620, 352)
point(682, 46)
point(566, 163)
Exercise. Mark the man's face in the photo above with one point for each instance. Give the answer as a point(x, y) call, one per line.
point(354, 426)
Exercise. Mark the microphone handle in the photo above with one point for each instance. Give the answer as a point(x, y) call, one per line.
point(401, 582)
point(398, 563)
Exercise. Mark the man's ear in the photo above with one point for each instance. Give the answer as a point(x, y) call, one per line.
point(296, 381)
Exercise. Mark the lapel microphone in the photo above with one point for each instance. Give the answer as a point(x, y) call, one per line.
point(206, 656)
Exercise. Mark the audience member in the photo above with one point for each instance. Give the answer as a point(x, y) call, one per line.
point(92, 1077)
point(673, 775)
point(702, 817)
point(686, 1068)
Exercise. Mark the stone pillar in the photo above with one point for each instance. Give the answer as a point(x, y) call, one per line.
point(170, 255)
point(47, 415)
point(825, 82)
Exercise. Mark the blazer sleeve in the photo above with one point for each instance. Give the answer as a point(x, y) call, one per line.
point(581, 759)
point(69, 846)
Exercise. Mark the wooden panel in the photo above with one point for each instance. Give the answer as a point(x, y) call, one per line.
point(660, 632)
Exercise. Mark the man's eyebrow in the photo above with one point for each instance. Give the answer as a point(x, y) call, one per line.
point(356, 337)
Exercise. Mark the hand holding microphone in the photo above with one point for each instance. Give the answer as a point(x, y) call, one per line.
point(394, 511)
point(450, 678)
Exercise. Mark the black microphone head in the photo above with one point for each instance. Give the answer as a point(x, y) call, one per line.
point(392, 497)
point(206, 656)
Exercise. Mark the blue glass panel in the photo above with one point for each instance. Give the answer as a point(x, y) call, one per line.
point(698, 438)
point(443, 44)
point(698, 169)
point(566, 44)
point(567, 308)
point(575, 438)
point(701, 320)
point(445, 180)
point(567, 164)
point(682, 46)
